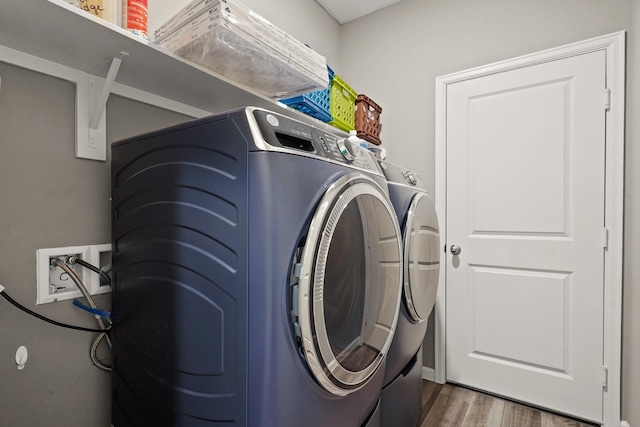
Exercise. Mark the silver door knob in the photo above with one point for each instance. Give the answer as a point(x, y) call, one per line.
point(455, 249)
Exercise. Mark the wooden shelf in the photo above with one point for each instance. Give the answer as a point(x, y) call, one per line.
point(58, 32)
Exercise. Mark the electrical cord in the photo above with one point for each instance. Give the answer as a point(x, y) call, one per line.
point(6, 296)
point(101, 321)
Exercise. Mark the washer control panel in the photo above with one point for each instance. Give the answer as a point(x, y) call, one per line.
point(307, 140)
point(344, 145)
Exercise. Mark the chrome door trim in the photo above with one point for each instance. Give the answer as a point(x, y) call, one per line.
point(314, 338)
point(408, 291)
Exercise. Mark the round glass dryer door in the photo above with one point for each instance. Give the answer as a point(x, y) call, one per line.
point(350, 284)
point(421, 257)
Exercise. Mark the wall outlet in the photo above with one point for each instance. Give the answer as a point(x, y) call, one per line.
point(55, 284)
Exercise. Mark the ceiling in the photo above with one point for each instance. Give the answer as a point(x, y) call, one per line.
point(347, 10)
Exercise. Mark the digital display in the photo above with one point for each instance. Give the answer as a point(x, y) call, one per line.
point(294, 142)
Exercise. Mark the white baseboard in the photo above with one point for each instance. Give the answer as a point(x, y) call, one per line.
point(429, 374)
point(624, 424)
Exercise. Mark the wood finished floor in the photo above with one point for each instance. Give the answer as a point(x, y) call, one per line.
point(449, 405)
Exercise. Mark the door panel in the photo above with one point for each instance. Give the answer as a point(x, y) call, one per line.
point(501, 203)
point(525, 202)
point(527, 291)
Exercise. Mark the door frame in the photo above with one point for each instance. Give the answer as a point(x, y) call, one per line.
point(614, 103)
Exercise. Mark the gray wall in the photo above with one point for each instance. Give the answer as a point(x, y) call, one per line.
point(631, 322)
point(394, 56)
point(50, 199)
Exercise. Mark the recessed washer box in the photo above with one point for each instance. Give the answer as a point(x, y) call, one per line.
point(55, 284)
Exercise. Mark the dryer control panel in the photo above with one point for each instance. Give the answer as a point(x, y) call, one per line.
point(284, 133)
point(400, 175)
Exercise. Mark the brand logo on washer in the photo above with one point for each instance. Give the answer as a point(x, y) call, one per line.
point(273, 120)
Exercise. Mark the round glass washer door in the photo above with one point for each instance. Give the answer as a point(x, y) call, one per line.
point(421, 257)
point(350, 284)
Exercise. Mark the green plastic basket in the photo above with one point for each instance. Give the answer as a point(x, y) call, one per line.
point(342, 104)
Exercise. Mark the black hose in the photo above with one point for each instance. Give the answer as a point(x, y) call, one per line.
point(104, 277)
point(46, 319)
point(86, 264)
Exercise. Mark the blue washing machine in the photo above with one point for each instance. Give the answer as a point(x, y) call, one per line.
point(257, 264)
point(401, 397)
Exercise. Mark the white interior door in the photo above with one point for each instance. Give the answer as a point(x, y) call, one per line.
point(525, 203)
